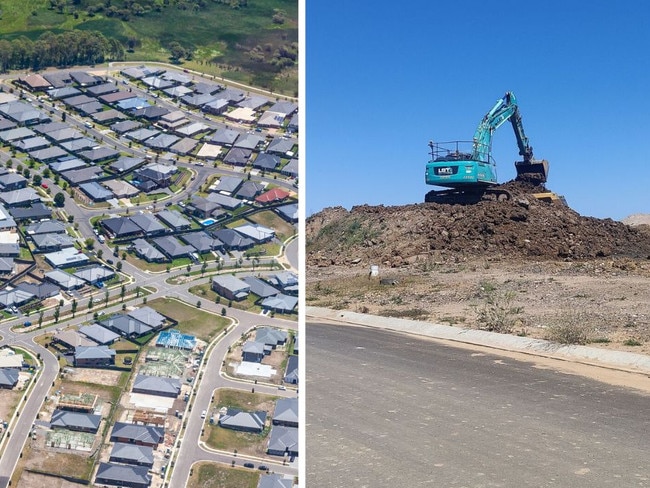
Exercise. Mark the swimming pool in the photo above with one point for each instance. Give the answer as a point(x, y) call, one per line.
point(207, 222)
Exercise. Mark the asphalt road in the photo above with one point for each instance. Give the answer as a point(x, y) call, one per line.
point(385, 409)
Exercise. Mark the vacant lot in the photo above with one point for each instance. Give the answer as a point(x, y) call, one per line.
point(211, 475)
point(191, 320)
point(244, 442)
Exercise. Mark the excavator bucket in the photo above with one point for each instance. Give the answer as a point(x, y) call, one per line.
point(535, 171)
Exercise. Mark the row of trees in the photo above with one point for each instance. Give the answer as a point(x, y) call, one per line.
point(76, 47)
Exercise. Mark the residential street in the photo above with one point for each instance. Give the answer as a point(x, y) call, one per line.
point(386, 409)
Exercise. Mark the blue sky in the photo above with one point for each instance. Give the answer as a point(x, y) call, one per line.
point(384, 78)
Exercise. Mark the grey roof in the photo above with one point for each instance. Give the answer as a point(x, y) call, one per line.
point(95, 273)
point(6, 265)
point(22, 195)
point(224, 200)
point(289, 211)
point(121, 226)
point(248, 141)
point(286, 409)
point(275, 481)
point(99, 334)
point(125, 324)
point(93, 352)
point(63, 279)
point(238, 156)
point(280, 303)
point(96, 191)
point(123, 475)
point(233, 239)
point(66, 257)
point(48, 127)
point(9, 376)
point(162, 141)
point(141, 134)
point(270, 336)
point(82, 175)
point(147, 250)
point(156, 385)
point(225, 136)
point(173, 219)
point(266, 161)
point(284, 107)
point(46, 227)
point(232, 284)
point(259, 287)
point(132, 454)
point(148, 315)
point(67, 164)
point(40, 290)
point(64, 134)
point(75, 420)
point(172, 247)
point(46, 241)
point(257, 232)
point(291, 374)
point(252, 347)
point(126, 163)
point(79, 144)
point(201, 241)
point(73, 339)
point(16, 134)
point(253, 102)
point(249, 190)
point(283, 439)
point(238, 419)
point(142, 433)
point(11, 179)
point(184, 146)
point(229, 184)
point(147, 223)
point(37, 210)
point(280, 145)
point(125, 126)
point(99, 154)
point(48, 154)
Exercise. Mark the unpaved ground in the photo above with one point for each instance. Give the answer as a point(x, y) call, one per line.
point(609, 298)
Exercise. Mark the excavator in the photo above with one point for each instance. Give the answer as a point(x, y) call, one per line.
point(467, 169)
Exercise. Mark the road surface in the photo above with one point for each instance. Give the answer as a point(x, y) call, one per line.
point(385, 409)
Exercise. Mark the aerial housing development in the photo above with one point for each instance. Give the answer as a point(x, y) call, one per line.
point(148, 279)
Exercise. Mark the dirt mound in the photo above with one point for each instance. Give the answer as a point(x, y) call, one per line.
point(521, 227)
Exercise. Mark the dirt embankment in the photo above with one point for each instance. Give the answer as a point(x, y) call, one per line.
point(551, 264)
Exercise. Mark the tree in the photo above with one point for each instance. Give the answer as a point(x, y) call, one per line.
point(89, 243)
point(40, 320)
point(118, 265)
point(198, 304)
point(204, 266)
point(74, 306)
point(123, 292)
point(188, 267)
point(37, 179)
point(26, 173)
point(59, 199)
point(57, 312)
point(46, 173)
point(100, 253)
point(223, 311)
point(138, 290)
point(91, 303)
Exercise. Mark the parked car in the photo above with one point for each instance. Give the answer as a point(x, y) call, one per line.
point(203, 414)
point(109, 261)
point(261, 467)
point(249, 465)
point(282, 387)
point(44, 185)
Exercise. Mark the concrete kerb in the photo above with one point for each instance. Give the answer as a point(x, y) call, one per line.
point(619, 360)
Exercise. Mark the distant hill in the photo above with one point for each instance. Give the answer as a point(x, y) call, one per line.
point(637, 219)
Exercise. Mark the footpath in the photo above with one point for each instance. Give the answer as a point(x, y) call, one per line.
point(620, 360)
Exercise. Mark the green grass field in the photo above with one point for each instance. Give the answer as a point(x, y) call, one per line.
point(241, 44)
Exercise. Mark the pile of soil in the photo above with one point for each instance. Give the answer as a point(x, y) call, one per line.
point(521, 227)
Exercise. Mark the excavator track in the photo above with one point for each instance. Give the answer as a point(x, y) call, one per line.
point(467, 197)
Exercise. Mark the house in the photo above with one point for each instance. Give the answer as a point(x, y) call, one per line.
point(230, 287)
point(249, 190)
point(225, 137)
point(280, 303)
point(248, 141)
point(45, 227)
point(286, 412)
point(160, 174)
point(281, 146)
point(66, 258)
point(285, 281)
point(266, 162)
point(288, 212)
point(121, 188)
point(201, 207)
point(99, 334)
point(67, 163)
point(275, 481)
point(260, 287)
point(72, 339)
point(95, 274)
point(126, 164)
point(173, 219)
point(172, 247)
point(283, 441)
point(131, 454)
point(99, 154)
point(64, 280)
point(82, 175)
point(258, 233)
point(20, 198)
point(238, 156)
point(272, 196)
point(271, 337)
point(236, 419)
point(224, 201)
point(10, 359)
point(228, 184)
point(148, 316)
point(123, 475)
point(35, 211)
point(148, 224)
point(202, 242)
point(9, 377)
point(141, 435)
point(93, 356)
point(233, 240)
point(157, 385)
point(147, 251)
point(176, 340)
point(77, 421)
point(40, 291)
point(52, 242)
point(126, 326)
point(291, 372)
point(120, 227)
point(253, 352)
point(12, 181)
point(14, 297)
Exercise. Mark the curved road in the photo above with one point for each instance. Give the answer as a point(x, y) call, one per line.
point(386, 409)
